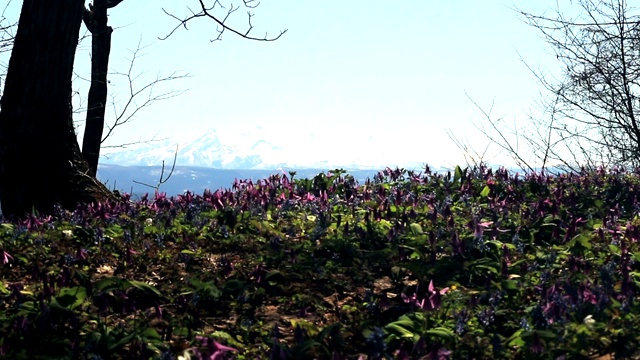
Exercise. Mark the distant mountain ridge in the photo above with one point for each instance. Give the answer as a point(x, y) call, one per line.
point(208, 162)
point(240, 151)
point(205, 151)
point(130, 179)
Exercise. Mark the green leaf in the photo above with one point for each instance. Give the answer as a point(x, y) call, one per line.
point(4, 290)
point(30, 307)
point(150, 346)
point(197, 283)
point(114, 231)
point(416, 254)
point(549, 335)
point(150, 334)
point(148, 289)
point(82, 276)
point(274, 275)
point(311, 328)
point(457, 175)
point(108, 283)
point(416, 229)
point(230, 340)
point(405, 321)
point(442, 333)
point(233, 285)
point(399, 330)
point(485, 192)
point(497, 243)
point(327, 331)
point(125, 340)
point(205, 289)
point(510, 285)
point(516, 339)
point(582, 239)
point(486, 264)
point(385, 224)
point(70, 298)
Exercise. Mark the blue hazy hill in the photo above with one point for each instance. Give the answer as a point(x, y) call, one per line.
point(193, 178)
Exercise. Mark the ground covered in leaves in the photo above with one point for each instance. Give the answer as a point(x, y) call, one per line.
point(476, 263)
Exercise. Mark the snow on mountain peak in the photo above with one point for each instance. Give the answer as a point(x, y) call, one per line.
point(241, 149)
point(209, 149)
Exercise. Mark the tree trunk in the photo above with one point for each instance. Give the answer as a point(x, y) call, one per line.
point(40, 160)
point(96, 22)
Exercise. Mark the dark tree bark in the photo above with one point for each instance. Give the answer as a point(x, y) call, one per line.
point(40, 160)
point(95, 19)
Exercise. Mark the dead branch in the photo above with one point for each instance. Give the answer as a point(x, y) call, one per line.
point(590, 115)
point(600, 88)
point(131, 108)
point(162, 179)
point(472, 157)
point(7, 30)
point(207, 12)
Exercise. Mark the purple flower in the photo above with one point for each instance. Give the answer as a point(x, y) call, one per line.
point(5, 256)
point(435, 298)
point(480, 227)
point(440, 354)
point(215, 349)
point(81, 254)
point(158, 310)
point(32, 222)
point(457, 245)
point(129, 255)
point(258, 273)
point(402, 355)
point(536, 345)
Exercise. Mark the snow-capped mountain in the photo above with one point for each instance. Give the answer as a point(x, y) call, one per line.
point(239, 150)
point(206, 150)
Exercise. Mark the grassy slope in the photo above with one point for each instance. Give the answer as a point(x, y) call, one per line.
point(471, 264)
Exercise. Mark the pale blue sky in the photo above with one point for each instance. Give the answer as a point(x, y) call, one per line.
point(379, 82)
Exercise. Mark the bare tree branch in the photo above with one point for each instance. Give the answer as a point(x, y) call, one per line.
point(590, 114)
point(131, 143)
point(601, 85)
point(207, 12)
point(507, 145)
point(127, 112)
point(162, 179)
point(7, 30)
point(137, 98)
point(472, 157)
point(7, 35)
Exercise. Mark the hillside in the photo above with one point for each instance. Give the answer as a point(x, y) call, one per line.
point(474, 263)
